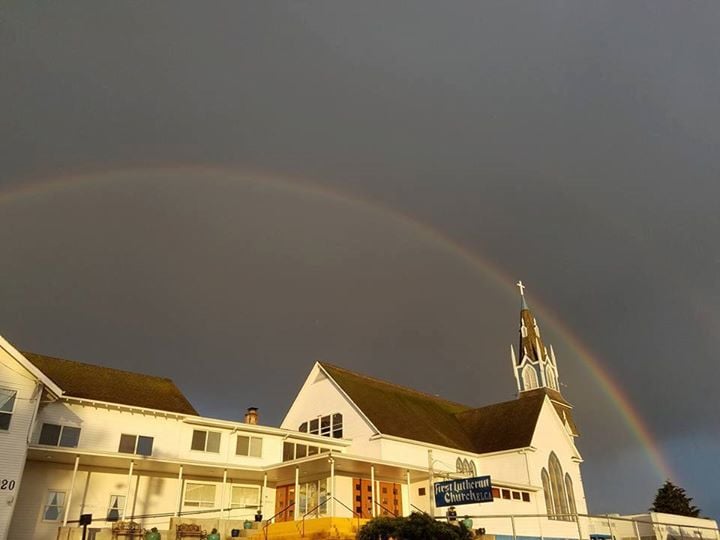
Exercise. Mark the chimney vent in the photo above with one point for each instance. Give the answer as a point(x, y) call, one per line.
point(251, 416)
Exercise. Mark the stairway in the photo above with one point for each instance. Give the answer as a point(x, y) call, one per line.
point(314, 529)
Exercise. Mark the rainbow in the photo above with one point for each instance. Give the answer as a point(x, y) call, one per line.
point(610, 388)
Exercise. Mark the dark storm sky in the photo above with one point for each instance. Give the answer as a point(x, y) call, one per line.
point(573, 145)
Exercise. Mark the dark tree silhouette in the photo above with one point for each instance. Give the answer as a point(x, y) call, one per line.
point(671, 499)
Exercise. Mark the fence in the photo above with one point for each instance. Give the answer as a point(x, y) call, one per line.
point(592, 527)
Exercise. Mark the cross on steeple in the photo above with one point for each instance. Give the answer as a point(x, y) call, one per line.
point(521, 287)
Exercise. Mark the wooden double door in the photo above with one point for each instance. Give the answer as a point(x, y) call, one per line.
point(388, 498)
point(284, 503)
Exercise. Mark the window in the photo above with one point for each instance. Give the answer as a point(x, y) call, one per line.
point(337, 426)
point(296, 450)
point(206, 441)
point(55, 435)
point(421, 492)
point(136, 444)
point(288, 451)
point(557, 489)
point(248, 446)
point(325, 426)
point(525, 496)
point(551, 377)
point(506, 494)
point(54, 505)
point(199, 495)
point(330, 425)
point(245, 497)
point(115, 508)
point(570, 494)
point(548, 493)
point(7, 405)
point(496, 493)
point(529, 378)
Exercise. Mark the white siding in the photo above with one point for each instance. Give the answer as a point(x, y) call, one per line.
point(320, 396)
point(101, 429)
point(13, 443)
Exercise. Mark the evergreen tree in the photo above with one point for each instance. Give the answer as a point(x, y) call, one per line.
point(671, 499)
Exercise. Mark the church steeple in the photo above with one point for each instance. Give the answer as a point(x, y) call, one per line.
point(533, 366)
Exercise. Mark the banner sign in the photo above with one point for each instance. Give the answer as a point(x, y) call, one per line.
point(463, 491)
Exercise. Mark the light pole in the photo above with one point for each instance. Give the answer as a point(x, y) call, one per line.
point(431, 478)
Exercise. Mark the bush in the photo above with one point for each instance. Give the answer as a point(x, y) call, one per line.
point(415, 527)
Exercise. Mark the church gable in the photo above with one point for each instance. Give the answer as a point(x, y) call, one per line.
point(321, 399)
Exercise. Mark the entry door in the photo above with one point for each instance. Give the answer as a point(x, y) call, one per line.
point(387, 495)
point(284, 497)
point(390, 497)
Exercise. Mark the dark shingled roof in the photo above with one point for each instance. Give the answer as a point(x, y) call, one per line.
point(403, 412)
point(100, 383)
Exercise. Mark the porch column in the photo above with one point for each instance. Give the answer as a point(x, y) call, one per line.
point(372, 489)
point(72, 487)
point(409, 491)
point(262, 492)
point(297, 493)
point(223, 513)
point(178, 499)
point(127, 496)
point(332, 487)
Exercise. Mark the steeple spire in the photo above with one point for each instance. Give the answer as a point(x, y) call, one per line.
point(534, 367)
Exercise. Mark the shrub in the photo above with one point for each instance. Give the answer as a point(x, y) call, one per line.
point(415, 527)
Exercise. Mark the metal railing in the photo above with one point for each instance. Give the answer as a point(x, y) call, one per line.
point(269, 521)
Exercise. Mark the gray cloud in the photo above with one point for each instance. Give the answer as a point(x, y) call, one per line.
point(572, 145)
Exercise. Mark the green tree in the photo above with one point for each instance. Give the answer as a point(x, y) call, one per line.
point(415, 527)
point(671, 499)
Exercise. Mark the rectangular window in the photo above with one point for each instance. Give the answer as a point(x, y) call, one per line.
point(288, 451)
point(135, 444)
point(245, 497)
point(206, 441)
point(248, 446)
point(115, 508)
point(7, 405)
point(496, 493)
point(300, 451)
point(505, 493)
point(199, 495)
point(337, 426)
point(525, 496)
point(315, 426)
point(54, 504)
point(325, 426)
point(55, 435)
point(516, 495)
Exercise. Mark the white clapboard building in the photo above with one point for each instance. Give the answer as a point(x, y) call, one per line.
point(77, 439)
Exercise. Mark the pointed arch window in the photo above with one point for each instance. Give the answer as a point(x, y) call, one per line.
point(551, 377)
point(459, 465)
point(570, 494)
point(529, 377)
point(557, 485)
point(548, 493)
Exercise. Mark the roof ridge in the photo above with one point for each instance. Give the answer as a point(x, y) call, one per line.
point(98, 366)
point(395, 385)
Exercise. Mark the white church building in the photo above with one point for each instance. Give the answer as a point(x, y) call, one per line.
point(78, 439)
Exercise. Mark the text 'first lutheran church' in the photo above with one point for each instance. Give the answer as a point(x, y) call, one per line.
point(131, 450)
